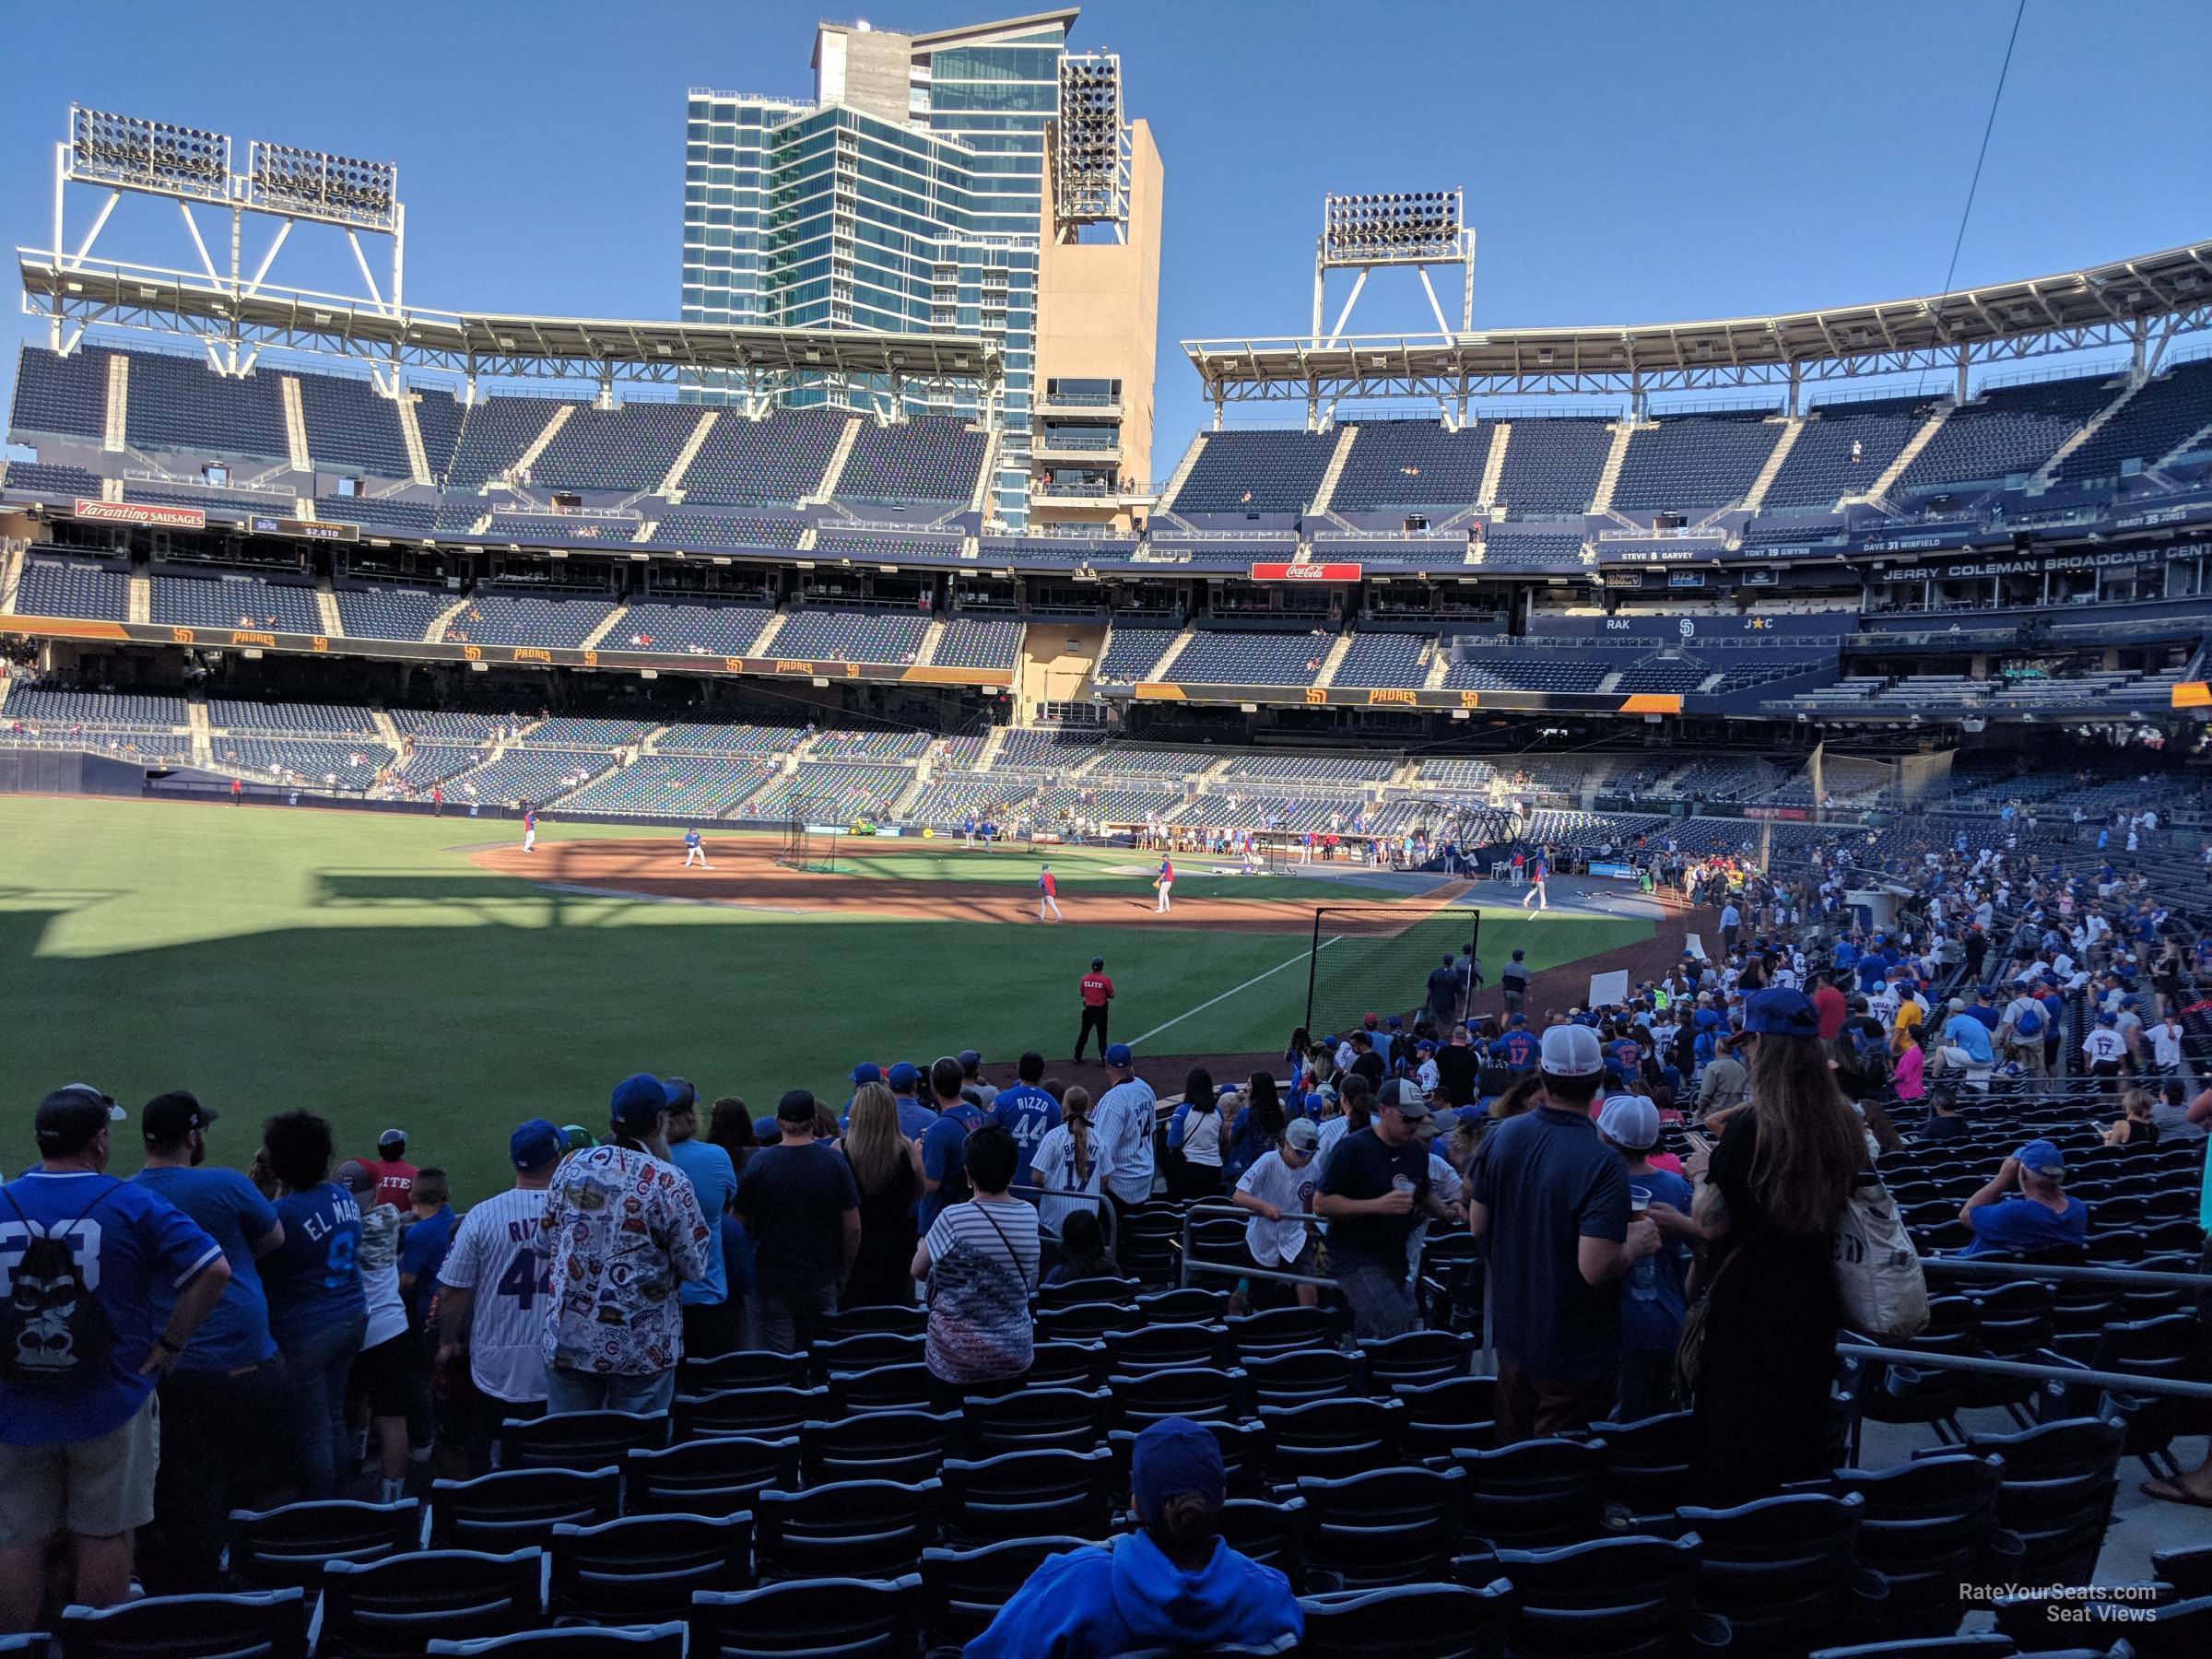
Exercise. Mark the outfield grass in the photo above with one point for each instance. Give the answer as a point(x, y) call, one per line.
point(363, 967)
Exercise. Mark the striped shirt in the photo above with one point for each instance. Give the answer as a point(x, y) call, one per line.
point(982, 1266)
point(496, 1253)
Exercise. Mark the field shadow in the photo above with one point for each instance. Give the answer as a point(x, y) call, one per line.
point(496, 900)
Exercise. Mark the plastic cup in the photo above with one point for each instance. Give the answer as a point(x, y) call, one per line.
point(1639, 1199)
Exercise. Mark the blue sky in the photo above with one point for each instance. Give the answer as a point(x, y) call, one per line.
point(1624, 162)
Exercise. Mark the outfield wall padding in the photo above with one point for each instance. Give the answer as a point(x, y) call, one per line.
point(67, 772)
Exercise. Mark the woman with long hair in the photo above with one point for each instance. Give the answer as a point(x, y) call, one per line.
point(1766, 1205)
point(886, 1168)
point(1197, 1136)
point(1257, 1120)
point(2134, 1129)
point(730, 1126)
point(1066, 1160)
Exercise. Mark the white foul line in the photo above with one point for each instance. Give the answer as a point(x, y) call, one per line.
point(1303, 956)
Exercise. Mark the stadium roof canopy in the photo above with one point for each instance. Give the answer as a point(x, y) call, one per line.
point(257, 315)
point(2137, 303)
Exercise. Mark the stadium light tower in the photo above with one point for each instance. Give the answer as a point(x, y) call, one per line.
point(116, 153)
point(1090, 148)
point(1415, 228)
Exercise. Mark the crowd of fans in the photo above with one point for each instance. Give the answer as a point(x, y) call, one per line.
point(199, 1339)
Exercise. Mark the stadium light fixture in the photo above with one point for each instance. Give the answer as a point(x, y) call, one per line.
point(1090, 146)
point(316, 184)
point(130, 152)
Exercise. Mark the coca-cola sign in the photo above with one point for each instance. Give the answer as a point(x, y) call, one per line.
point(140, 512)
point(1305, 572)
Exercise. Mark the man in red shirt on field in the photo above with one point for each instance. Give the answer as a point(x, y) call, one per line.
point(1048, 893)
point(1096, 992)
point(394, 1175)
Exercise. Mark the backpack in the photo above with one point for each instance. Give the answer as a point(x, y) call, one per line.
point(2030, 1022)
point(53, 1332)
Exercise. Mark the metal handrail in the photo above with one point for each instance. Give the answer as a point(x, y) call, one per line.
point(2024, 1270)
point(2112, 1382)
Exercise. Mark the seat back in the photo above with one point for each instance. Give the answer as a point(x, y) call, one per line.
point(1191, 1304)
point(1200, 1393)
point(1410, 1621)
point(905, 1318)
point(1278, 1331)
point(1384, 1526)
point(1415, 1357)
point(2060, 1480)
point(1028, 1494)
point(863, 1352)
point(1617, 1595)
point(822, 1618)
point(717, 1477)
point(397, 1606)
point(760, 1413)
point(1245, 1445)
point(743, 1368)
point(271, 1548)
point(1100, 1290)
point(1442, 1416)
point(847, 1529)
point(1648, 1462)
point(1294, 1378)
point(1776, 1568)
point(1273, 1534)
point(1331, 1438)
point(1066, 1364)
point(963, 1589)
point(884, 1388)
point(574, 1642)
point(645, 1567)
point(577, 1440)
point(1085, 1322)
point(519, 1507)
point(1533, 1493)
point(254, 1624)
point(877, 1445)
point(1034, 1419)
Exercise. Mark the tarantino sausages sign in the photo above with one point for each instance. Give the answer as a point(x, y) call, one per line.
point(1305, 572)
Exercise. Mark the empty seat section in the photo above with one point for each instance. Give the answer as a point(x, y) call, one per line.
point(534, 774)
point(672, 625)
point(50, 483)
point(401, 518)
point(978, 642)
point(1313, 769)
point(704, 787)
point(493, 436)
point(326, 719)
point(1508, 549)
point(851, 637)
point(869, 746)
point(73, 587)
point(1695, 461)
point(536, 528)
point(2160, 418)
point(626, 449)
point(501, 619)
point(65, 395)
point(235, 601)
point(729, 739)
point(1255, 659)
point(1048, 750)
point(886, 549)
point(928, 458)
point(351, 426)
point(780, 459)
point(332, 765)
point(1412, 464)
point(1552, 464)
point(437, 419)
point(2006, 433)
point(1131, 651)
point(832, 793)
point(178, 404)
point(1256, 471)
point(390, 613)
point(682, 527)
point(1382, 659)
point(1842, 450)
point(97, 711)
point(1505, 672)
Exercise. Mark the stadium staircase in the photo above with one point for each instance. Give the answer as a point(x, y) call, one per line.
point(986, 476)
point(2045, 473)
point(591, 641)
point(11, 573)
point(1346, 437)
point(1756, 495)
point(201, 728)
point(1055, 666)
point(671, 484)
point(2198, 439)
point(993, 747)
point(911, 793)
point(444, 618)
point(295, 423)
point(410, 434)
point(1623, 431)
point(1174, 487)
point(536, 447)
point(326, 607)
point(1493, 464)
point(763, 645)
point(932, 637)
point(387, 731)
point(1878, 492)
point(118, 418)
point(1339, 647)
point(835, 471)
point(139, 600)
point(1161, 669)
point(807, 538)
point(1438, 669)
point(1610, 683)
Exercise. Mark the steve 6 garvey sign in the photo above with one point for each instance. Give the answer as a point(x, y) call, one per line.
point(1305, 572)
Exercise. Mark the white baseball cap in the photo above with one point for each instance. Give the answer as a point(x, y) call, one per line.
point(1570, 1051)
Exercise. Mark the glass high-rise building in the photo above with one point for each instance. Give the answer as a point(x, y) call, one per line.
point(911, 195)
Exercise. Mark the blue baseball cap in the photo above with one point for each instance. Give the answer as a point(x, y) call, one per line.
point(1782, 1013)
point(638, 1103)
point(1519, 1020)
point(1171, 1458)
point(867, 1071)
point(2107, 1018)
point(902, 1079)
point(1396, 1021)
point(2041, 1157)
point(1119, 1054)
point(682, 1097)
point(536, 1143)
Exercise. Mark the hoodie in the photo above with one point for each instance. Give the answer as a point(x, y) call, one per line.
point(1126, 1596)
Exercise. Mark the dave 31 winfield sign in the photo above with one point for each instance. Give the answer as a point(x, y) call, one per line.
point(1305, 572)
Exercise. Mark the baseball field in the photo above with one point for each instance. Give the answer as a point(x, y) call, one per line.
point(426, 973)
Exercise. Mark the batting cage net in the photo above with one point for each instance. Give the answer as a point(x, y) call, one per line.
point(1376, 959)
point(809, 837)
